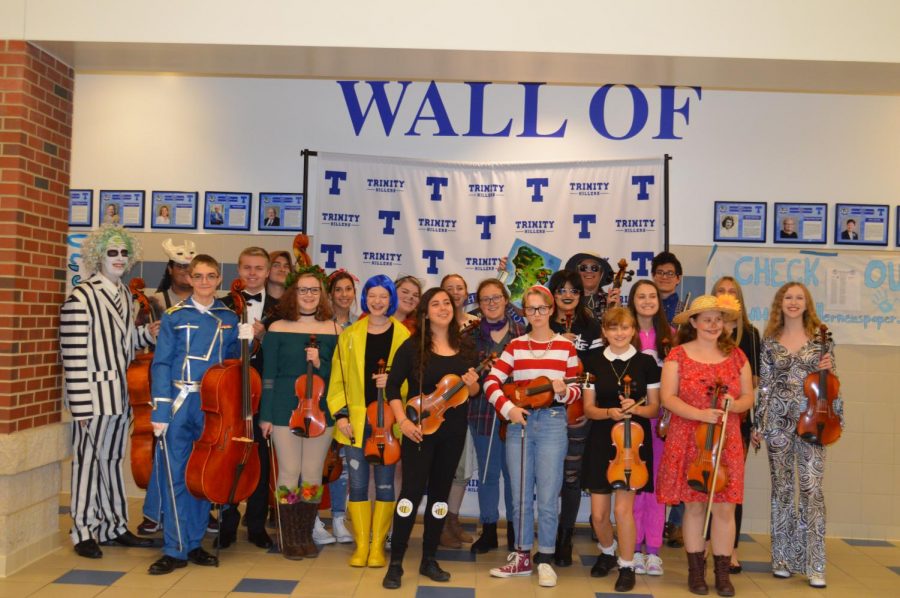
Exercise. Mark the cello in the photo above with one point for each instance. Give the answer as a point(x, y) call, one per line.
point(623, 275)
point(381, 447)
point(819, 424)
point(705, 474)
point(450, 392)
point(224, 465)
point(308, 419)
point(138, 378)
point(627, 471)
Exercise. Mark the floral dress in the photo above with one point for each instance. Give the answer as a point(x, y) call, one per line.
point(681, 450)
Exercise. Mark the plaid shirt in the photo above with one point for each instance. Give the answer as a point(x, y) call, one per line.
point(481, 412)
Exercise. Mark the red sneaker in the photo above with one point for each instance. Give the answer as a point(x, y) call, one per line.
point(518, 564)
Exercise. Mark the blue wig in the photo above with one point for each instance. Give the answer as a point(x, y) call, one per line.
point(380, 280)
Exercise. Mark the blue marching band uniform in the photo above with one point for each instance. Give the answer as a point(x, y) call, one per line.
point(190, 340)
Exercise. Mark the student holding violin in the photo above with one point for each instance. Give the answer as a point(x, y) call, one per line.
point(790, 354)
point(702, 375)
point(304, 339)
point(353, 386)
point(536, 448)
point(436, 365)
point(623, 376)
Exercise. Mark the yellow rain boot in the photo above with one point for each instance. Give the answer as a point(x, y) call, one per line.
point(361, 515)
point(381, 524)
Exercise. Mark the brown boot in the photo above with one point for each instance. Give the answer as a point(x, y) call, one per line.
point(290, 531)
point(722, 565)
point(697, 573)
point(457, 530)
point(448, 538)
point(308, 512)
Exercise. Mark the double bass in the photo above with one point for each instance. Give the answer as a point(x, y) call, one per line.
point(138, 378)
point(819, 424)
point(627, 471)
point(381, 447)
point(308, 419)
point(224, 466)
point(450, 391)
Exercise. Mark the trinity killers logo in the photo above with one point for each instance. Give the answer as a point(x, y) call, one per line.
point(437, 225)
point(535, 226)
point(588, 188)
point(635, 225)
point(340, 219)
point(486, 190)
point(386, 185)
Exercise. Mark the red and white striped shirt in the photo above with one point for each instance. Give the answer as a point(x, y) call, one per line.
point(524, 360)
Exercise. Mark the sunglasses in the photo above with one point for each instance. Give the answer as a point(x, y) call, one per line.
point(588, 268)
point(116, 252)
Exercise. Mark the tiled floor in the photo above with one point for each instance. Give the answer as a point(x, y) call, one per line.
point(855, 568)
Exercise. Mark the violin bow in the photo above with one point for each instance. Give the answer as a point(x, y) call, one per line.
point(712, 486)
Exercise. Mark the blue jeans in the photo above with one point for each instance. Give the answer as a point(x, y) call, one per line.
point(489, 473)
point(337, 489)
point(545, 442)
point(359, 477)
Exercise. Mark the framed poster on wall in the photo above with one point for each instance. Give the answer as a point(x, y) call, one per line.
point(225, 210)
point(173, 209)
point(281, 212)
point(861, 224)
point(81, 207)
point(739, 222)
point(805, 223)
point(122, 207)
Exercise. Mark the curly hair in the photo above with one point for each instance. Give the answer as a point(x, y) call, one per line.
point(289, 307)
point(423, 336)
point(93, 250)
point(811, 321)
point(665, 340)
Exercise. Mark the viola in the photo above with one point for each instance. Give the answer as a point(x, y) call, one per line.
point(451, 391)
point(708, 438)
point(819, 424)
point(381, 447)
point(538, 393)
point(333, 466)
point(627, 471)
point(140, 400)
point(224, 466)
point(308, 419)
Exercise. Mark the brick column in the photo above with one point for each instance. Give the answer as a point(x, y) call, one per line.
point(35, 146)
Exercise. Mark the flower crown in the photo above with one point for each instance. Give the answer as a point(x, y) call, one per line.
point(299, 271)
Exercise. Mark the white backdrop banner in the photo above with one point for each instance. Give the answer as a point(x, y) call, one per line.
point(857, 293)
point(394, 216)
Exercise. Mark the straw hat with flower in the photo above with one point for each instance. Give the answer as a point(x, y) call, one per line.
point(728, 305)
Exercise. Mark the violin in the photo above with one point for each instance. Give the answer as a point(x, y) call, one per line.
point(308, 419)
point(381, 447)
point(627, 471)
point(470, 326)
point(224, 466)
point(662, 424)
point(333, 466)
point(819, 424)
point(138, 378)
point(538, 393)
point(451, 391)
point(709, 440)
point(623, 275)
point(575, 411)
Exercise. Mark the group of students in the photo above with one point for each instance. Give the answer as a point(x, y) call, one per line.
point(575, 336)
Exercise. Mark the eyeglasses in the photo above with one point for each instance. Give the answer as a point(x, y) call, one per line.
point(491, 300)
point(116, 252)
point(308, 290)
point(201, 277)
point(543, 310)
point(565, 291)
point(588, 268)
point(665, 273)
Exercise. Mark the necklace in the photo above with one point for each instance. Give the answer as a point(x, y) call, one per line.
point(617, 374)
point(544, 352)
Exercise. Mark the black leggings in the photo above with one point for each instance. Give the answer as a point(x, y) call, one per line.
point(571, 488)
point(427, 467)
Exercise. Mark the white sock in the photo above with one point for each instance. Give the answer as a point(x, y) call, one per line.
point(610, 550)
point(624, 563)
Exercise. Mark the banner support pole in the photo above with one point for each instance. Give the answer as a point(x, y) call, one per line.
point(306, 153)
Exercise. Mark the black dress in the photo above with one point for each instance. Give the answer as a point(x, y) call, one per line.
point(599, 451)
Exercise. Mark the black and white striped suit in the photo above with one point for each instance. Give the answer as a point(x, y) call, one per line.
point(98, 339)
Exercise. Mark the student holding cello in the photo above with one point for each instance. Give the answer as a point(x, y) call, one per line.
point(298, 350)
point(436, 365)
point(623, 376)
point(793, 358)
point(536, 447)
point(703, 379)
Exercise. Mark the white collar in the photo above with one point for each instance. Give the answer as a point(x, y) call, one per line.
point(610, 356)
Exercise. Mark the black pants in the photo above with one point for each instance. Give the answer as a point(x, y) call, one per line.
point(258, 504)
point(427, 467)
point(571, 489)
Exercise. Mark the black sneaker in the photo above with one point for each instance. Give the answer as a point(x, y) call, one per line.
point(430, 569)
point(392, 579)
point(625, 583)
point(605, 563)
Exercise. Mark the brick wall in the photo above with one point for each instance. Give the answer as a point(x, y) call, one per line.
point(35, 144)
